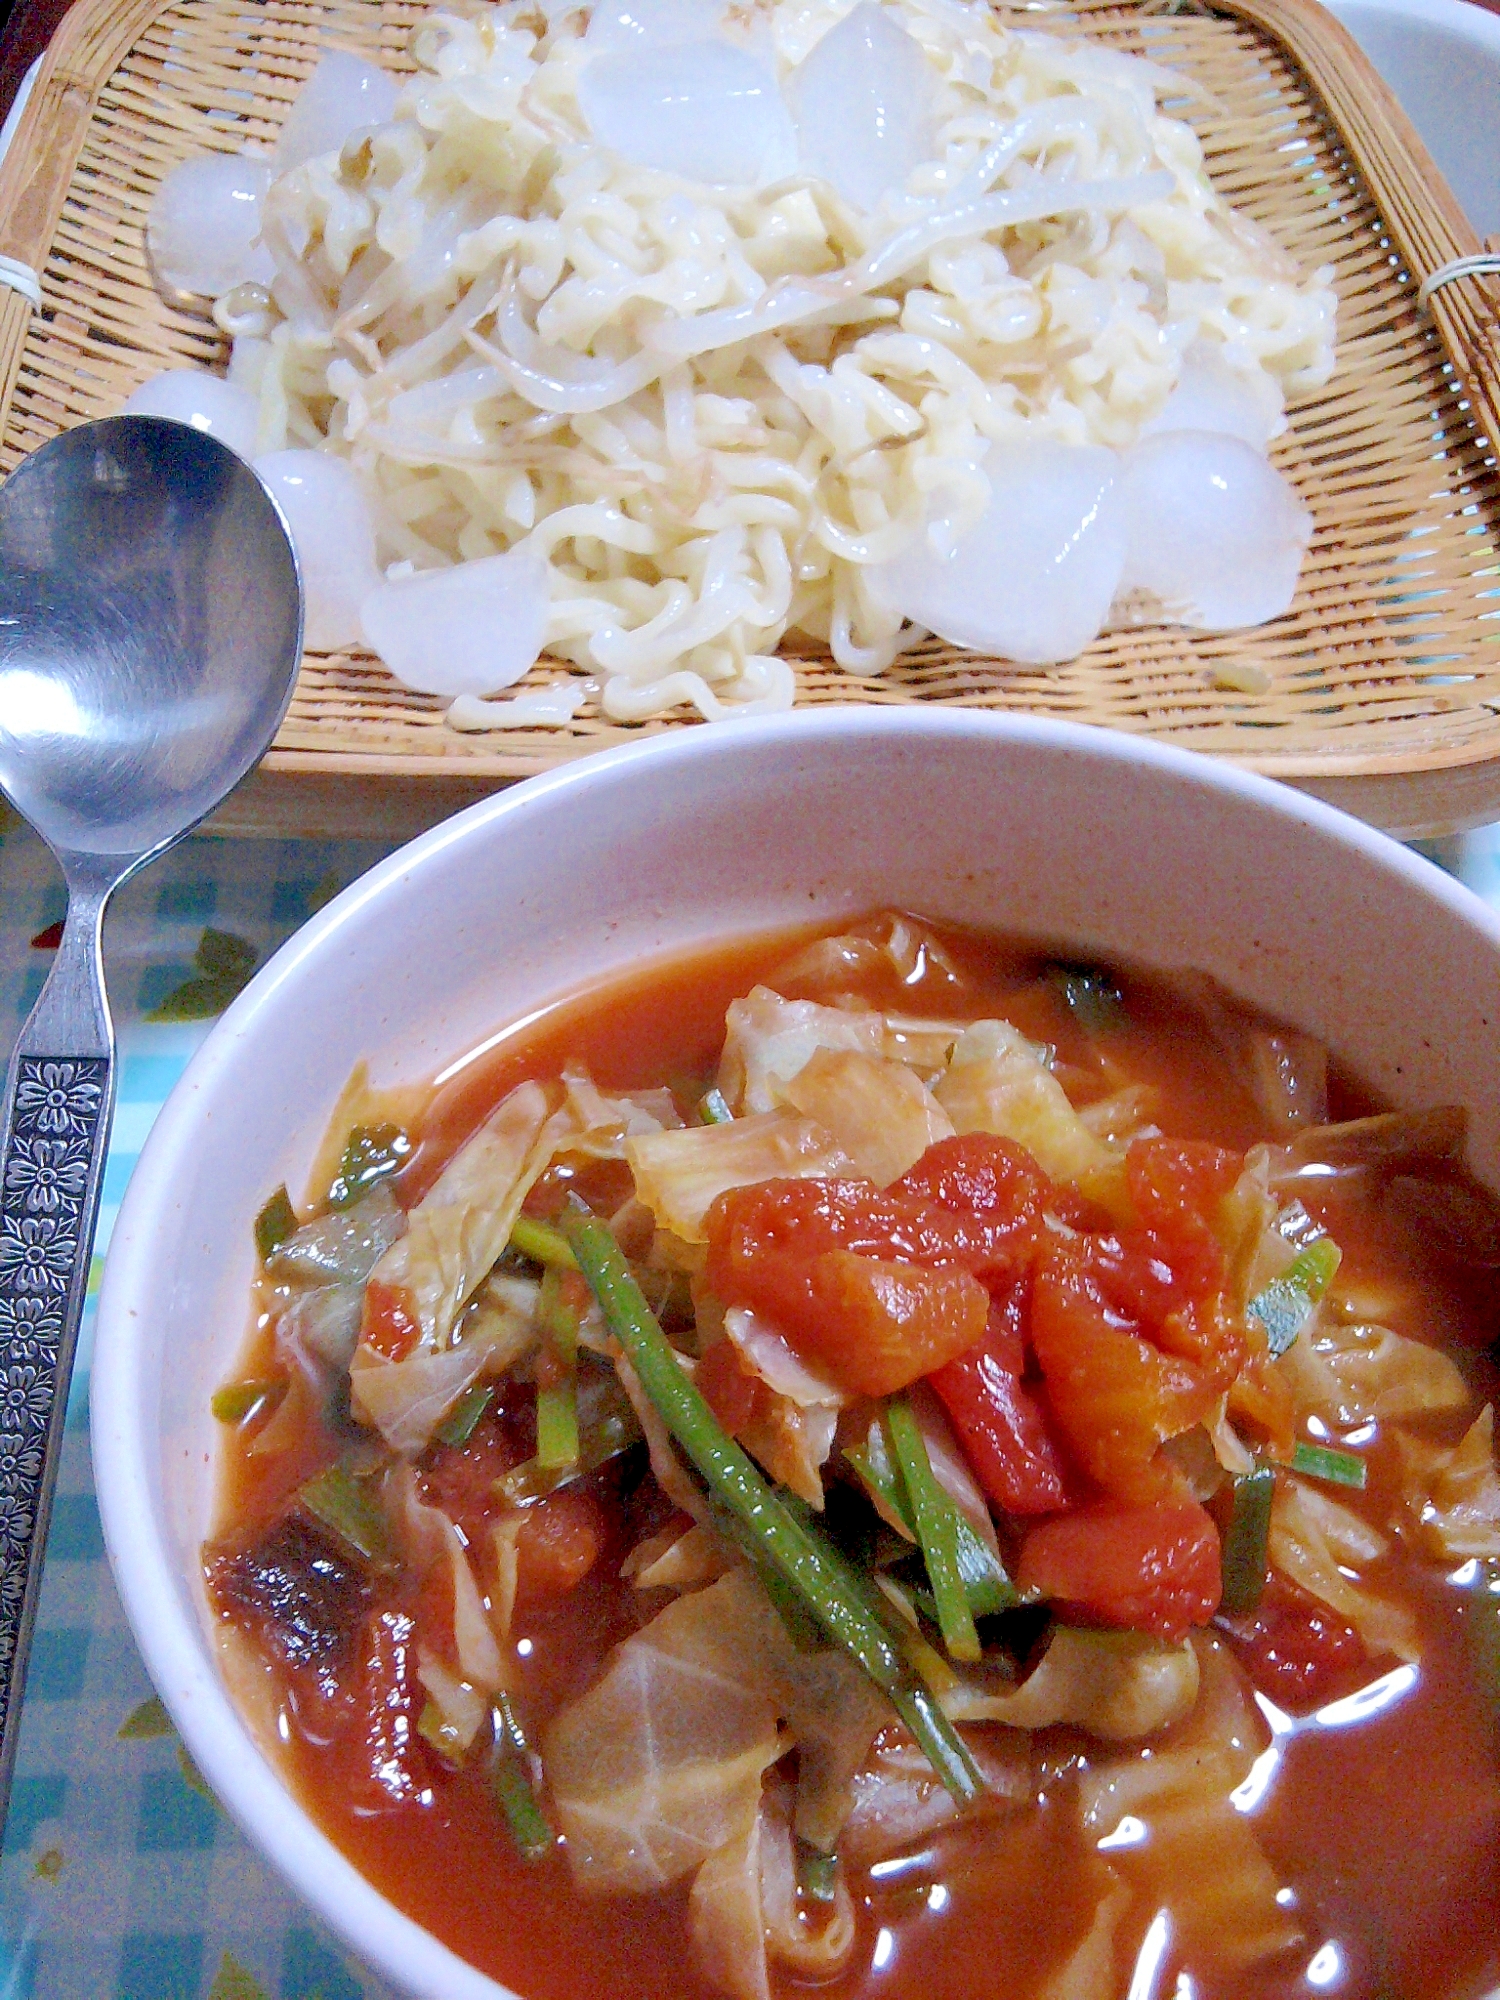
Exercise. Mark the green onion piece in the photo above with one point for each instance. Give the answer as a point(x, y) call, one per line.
point(556, 1318)
point(557, 1426)
point(817, 1873)
point(557, 1391)
point(1093, 998)
point(513, 1787)
point(605, 1429)
point(986, 1586)
point(346, 1504)
point(1287, 1303)
point(434, 1728)
point(936, 1518)
point(880, 1475)
point(458, 1426)
point(713, 1108)
point(528, 1481)
point(372, 1153)
point(541, 1243)
point(1479, 1623)
point(833, 1592)
point(275, 1223)
point(1318, 1461)
point(1244, 1559)
point(238, 1402)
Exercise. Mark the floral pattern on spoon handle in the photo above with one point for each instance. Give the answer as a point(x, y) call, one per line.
point(53, 1135)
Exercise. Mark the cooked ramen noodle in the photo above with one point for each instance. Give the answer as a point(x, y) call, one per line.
point(886, 1460)
point(646, 333)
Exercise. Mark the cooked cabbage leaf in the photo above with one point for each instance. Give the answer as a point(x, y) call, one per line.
point(743, 1912)
point(1317, 1543)
point(679, 1174)
point(457, 1231)
point(1358, 1374)
point(1116, 1685)
point(359, 1104)
point(658, 1765)
point(879, 1111)
point(1201, 1857)
point(1089, 1969)
point(997, 1082)
point(898, 1800)
point(727, 1917)
point(1453, 1492)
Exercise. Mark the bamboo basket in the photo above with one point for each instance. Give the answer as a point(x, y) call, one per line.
point(1379, 690)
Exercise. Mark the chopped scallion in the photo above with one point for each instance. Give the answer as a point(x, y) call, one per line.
point(541, 1243)
point(1092, 997)
point(557, 1382)
point(238, 1402)
point(986, 1585)
point(458, 1426)
point(275, 1223)
point(1288, 1302)
point(936, 1520)
point(557, 1426)
point(817, 1873)
point(513, 1787)
point(557, 1316)
point(1342, 1468)
point(372, 1153)
point(713, 1108)
point(435, 1729)
point(1245, 1544)
point(347, 1506)
point(833, 1592)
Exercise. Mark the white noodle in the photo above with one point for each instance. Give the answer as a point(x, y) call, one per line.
point(711, 408)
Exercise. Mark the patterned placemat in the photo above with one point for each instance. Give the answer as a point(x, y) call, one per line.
point(120, 1878)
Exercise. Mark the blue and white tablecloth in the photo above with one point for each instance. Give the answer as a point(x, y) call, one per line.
point(120, 1878)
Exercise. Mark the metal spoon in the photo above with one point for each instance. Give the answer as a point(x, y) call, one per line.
point(150, 629)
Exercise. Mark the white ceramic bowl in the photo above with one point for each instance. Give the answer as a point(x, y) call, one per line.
point(1062, 832)
point(1442, 60)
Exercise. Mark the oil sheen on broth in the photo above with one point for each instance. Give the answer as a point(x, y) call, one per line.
point(1132, 1373)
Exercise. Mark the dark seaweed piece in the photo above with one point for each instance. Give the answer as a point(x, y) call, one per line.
point(295, 1590)
point(372, 1154)
point(1091, 995)
point(1453, 1216)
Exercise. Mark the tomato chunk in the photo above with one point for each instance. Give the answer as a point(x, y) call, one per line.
point(728, 1389)
point(558, 1544)
point(1176, 1187)
point(802, 1218)
point(389, 1323)
point(864, 1285)
point(1115, 1397)
point(993, 1193)
point(1296, 1650)
point(1146, 1569)
point(998, 1422)
point(875, 1327)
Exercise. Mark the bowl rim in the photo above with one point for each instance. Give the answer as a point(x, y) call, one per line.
point(176, 1655)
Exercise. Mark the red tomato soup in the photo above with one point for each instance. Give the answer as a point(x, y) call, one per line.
point(890, 1461)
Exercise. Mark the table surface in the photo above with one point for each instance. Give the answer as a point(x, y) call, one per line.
point(120, 1877)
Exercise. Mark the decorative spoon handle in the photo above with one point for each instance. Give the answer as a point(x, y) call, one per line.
point(59, 1095)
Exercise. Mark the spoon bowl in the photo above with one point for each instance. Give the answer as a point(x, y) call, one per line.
point(148, 607)
point(150, 630)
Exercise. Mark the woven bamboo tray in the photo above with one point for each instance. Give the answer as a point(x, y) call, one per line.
point(1381, 688)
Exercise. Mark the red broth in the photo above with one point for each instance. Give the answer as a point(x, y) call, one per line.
point(1378, 1811)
